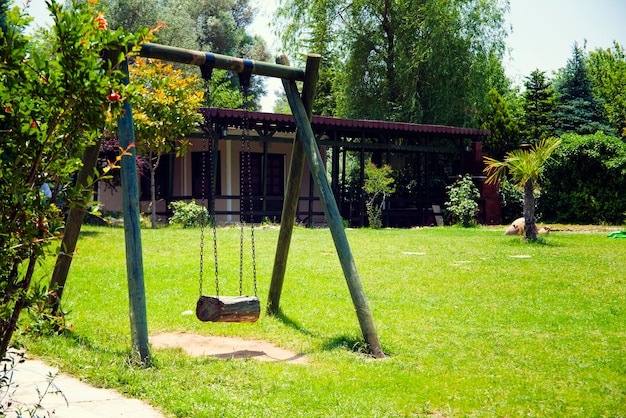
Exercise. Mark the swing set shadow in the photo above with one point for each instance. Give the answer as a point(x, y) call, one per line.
point(343, 341)
point(304, 149)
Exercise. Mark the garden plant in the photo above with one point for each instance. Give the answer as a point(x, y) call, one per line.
point(379, 184)
point(461, 203)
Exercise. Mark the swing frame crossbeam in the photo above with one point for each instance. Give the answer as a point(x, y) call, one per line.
point(221, 62)
point(305, 146)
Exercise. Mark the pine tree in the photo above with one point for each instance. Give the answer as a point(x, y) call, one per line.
point(577, 109)
point(539, 102)
point(504, 130)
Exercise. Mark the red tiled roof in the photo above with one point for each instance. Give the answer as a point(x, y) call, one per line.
point(320, 121)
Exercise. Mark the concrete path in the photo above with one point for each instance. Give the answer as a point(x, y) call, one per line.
point(67, 398)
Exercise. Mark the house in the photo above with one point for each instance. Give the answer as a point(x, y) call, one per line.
point(425, 157)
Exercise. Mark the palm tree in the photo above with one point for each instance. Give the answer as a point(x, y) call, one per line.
point(525, 169)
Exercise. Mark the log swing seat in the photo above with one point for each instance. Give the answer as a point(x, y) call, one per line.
point(241, 308)
point(228, 308)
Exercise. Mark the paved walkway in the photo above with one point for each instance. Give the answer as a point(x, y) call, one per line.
point(68, 398)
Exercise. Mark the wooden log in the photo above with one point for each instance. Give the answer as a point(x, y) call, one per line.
point(228, 309)
point(292, 194)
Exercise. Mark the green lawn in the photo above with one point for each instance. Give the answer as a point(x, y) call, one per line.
point(475, 323)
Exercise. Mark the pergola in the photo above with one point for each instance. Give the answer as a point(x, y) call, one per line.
point(430, 157)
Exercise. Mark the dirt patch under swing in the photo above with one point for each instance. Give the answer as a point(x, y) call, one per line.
point(225, 347)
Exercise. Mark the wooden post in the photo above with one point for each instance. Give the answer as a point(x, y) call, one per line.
point(292, 194)
point(72, 227)
point(333, 218)
point(132, 232)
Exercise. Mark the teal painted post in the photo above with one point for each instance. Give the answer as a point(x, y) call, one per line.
point(132, 233)
point(333, 218)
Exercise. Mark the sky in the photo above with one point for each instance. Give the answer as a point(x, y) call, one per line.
point(542, 32)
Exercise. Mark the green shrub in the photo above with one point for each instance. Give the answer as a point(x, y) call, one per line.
point(462, 203)
point(378, 185)
point(189, 215)
point(586, 182)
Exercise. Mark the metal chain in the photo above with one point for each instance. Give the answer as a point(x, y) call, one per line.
point(203, 182)
point(212, 214)
point(207, 130)
point(242, 214)
point(251, 207)
point(203, 175)
point(210, 202)
point(247, 153)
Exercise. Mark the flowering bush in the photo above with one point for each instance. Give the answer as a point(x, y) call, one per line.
point(57, 96)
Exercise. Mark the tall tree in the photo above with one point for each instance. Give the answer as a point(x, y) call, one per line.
point(525, 169)
point(577, 110)
point(504, 130)
point(607, 70)
point(539, 102)
point(429, 61)
point(217, 26)
point(165, 110)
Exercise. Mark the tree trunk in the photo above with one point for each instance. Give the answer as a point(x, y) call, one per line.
point(20, 303)
point(529, 211)
point(72, 227)
point(391, 92)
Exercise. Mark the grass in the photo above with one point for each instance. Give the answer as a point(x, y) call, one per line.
point(475, 324)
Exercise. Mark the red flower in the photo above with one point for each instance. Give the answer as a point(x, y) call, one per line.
point(8, 109)
point(33, 124)
point(114, 97)
point(101, 21)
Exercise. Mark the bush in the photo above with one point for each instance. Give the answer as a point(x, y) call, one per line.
point(586, 182)
point(378, 185)
point(462, 203)
point(189, 215)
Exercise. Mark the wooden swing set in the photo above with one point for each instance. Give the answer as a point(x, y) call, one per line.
point(243, 308)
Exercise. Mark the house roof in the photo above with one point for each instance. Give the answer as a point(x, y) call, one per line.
point(283, 122)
